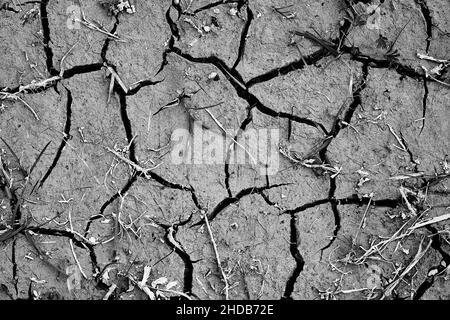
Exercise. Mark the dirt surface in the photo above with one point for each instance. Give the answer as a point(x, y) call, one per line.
point(105, 193)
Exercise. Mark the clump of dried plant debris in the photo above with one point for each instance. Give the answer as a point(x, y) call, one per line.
point(114, 7)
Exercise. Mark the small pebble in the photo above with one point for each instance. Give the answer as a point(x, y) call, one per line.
point(233, 11)
point(207, 28)
point(213, 76)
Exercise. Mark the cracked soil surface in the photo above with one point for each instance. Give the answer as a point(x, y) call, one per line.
point(363, 149)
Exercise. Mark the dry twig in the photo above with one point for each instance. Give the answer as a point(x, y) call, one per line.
point(137, 167)
point(73, 249)
point(225, 280)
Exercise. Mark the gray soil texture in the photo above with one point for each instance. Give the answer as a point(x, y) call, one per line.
point(93, 204)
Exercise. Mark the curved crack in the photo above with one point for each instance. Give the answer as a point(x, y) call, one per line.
point(428, 22)
point(175, 245)
point(105, 205)
point(240, 3)
point(424, 102)
point(81, 243)
point(294, 243)
point(291, 67)
point(244, 34)
point(248, 119)
point(336, 215)
point(66, 137)
point(222, 205)
point(173, 26)
point(5, 6)
point(236, 81)
point(105, 46)
point(14, 268)
point(337, 126)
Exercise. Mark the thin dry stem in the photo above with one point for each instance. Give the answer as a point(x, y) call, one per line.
point(225, 280)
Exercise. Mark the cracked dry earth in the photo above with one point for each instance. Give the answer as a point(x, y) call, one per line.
point(363, 161)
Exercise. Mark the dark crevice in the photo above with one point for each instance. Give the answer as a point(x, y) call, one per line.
point(142, 84)
point(289, 127)
point(343, 123)
point(177, 5)
point(338, 125)
point(336, 214)
point(81, 243)
point(267, 199)
point(244, 34)
point(37, 90)
point(344, 29)
point(222, 205)
point(293, 66)
point(165, 54)
point(294, 243)
point(354, 199)
point(173, 26)
point(46, 34)
point(166, 183)
point(285, 115)
point(66, 137)
point(175, 245)
point(424, 286)
point(233, 76)
point(430, 182)
point(322, 53)
point(248, 119)
point(436, 243)
point(428, 21)
point(357, 101)
point(306, 206)
point(408, 150)
point(195, 199)
point(132, 153)
point(424, 102)
point(44, 257)
point(121, 193)
point(15, 276)
point(227, 178)
point(126, 122)
point(6, 6)
point(87, 68)
point(15, 202)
